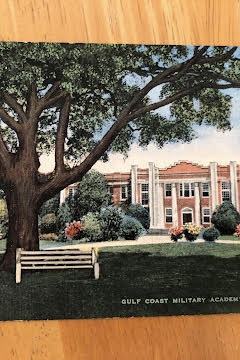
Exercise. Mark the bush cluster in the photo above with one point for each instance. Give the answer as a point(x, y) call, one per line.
point(48, 224)
point(131, 228)
point(110, 219)
point(226, 218)
point(140, 213)
point(107, 225)
point(211, 234)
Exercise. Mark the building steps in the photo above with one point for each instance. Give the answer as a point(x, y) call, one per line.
point(158, 231)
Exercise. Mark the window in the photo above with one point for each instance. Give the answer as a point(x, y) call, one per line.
point(168, 190)
point(144, 194)
point(186, 189)
point(124, 192)
point(168, 215)
point(206, 215)
point(205, 189)
point(110, 190)
point(71, 192)
point(226, 194)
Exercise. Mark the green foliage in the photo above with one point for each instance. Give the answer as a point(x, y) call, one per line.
point(3, 217)
point(91, 195)
point(131, 228)
point(48, 224)
point(140, 213)
point(110, 222)
point(225, 218)
point(91, 227)
point(63, 217)
point(211, 234)
point(50, 206)
point(103, 78)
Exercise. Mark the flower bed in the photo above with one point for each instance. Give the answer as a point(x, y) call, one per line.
point(191, 231)
point(176, 233)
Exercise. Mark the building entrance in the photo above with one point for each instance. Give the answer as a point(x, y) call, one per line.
point(187, 215)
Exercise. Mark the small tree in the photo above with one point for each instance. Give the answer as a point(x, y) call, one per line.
point(226, 218)
point(110, 222)
point(131, 228)
point(63, 217)
point(91, 195)
point(140, 213)
point(51, 206)
point(91, 227)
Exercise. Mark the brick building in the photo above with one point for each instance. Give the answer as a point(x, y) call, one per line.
point(183, 192)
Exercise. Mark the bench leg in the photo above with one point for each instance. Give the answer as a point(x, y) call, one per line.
point(96, 271)
point(18, 266)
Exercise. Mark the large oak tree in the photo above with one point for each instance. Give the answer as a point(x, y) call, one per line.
point(83, 101)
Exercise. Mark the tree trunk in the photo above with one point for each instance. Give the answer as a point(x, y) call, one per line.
point(23, 224)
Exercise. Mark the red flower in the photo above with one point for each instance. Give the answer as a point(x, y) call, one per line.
point(73, 228)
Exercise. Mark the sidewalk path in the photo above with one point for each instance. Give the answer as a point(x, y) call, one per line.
point(146, 239)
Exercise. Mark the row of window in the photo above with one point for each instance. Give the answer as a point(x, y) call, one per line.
point(187, 215)
point(185, 190)
point(188, 190)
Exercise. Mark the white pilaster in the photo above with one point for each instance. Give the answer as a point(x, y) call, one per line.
point(197, 204)
point(174, 205)
point(151, 179)
point(134, 184)
point(214, 187)
point(161, 215)
point(234, 186)
point(62, 196)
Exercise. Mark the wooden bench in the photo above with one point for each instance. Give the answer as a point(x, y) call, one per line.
point(56, 259)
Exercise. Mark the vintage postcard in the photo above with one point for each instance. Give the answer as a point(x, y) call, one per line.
point(120, 180)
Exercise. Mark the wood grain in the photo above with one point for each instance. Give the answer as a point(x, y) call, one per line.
point(128, 21)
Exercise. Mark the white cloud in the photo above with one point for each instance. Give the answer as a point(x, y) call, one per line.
point(211, 146)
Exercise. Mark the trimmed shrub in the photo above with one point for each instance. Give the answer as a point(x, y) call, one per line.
point(131, 228)
point(110, 219)
point(91, 227)
point(48, 224)
point(48, 237)
point(211, 234)
point(225, 218)
point(63, 217)
point(140, 213)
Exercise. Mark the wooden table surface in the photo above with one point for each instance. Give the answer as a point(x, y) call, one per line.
point(133, 21)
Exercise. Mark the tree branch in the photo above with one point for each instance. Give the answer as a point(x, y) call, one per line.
point(12, 102)
point(52, 101)
point(218, 58)
point(32, 102)
point(61, 135)
point(8, 120)
point(54, 88)
point(65, 177)
point(177, 96)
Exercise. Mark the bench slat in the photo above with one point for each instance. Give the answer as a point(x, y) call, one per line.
point(51, 257)
point(57, 252)
point(57, 267)
point(55, 262)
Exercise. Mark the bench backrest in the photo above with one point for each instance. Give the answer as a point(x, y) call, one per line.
point(55, 259)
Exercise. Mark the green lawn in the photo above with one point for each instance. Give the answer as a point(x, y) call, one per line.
point(229, 237)
point(134, 272)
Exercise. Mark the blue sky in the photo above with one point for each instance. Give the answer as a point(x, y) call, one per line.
point(211, 145)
